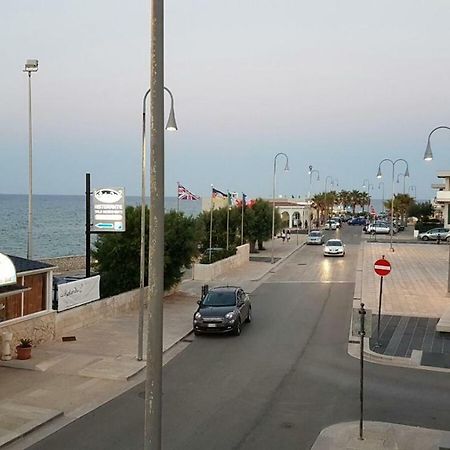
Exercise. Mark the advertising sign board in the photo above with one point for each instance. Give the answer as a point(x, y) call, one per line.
point(78, 292)
point(109, 210)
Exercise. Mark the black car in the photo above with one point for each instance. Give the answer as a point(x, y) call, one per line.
point(223, 310)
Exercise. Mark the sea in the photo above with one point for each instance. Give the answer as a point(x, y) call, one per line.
point(58, 223)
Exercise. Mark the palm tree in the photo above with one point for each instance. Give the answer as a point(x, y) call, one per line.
point(364, 199)
point(354, 199)
point(319, 204)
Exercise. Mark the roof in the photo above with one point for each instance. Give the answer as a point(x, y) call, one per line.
point(225, 288)
point(443, 174)
point(28, 265)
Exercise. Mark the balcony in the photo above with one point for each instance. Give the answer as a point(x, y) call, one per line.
point(443, 197)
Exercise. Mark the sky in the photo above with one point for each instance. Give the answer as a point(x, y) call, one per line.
point(339, 85)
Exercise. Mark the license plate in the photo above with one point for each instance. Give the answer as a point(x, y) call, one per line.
point(212, 325)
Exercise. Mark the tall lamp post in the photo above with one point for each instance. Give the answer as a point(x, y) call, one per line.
point(286, 168)
point(404, 179)
point(310, 172)
point(379, 184)
point(170, 126)
point(428, 156)
point(369, 186)
point(153, 378)
point(379, 175)
point(326, 192)
point(30, 66)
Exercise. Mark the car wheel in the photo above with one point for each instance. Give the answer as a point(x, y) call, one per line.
point(237, 328)
point(197, 333)
point(249, 317)
point(425, 238)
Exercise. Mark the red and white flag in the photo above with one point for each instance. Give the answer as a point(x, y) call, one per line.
point(184, 194)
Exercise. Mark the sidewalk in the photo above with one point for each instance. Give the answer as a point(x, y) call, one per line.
point(65, 380)
point(381, 436)
point(414, 299)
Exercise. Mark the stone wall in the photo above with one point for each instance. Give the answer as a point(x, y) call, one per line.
point(67, 263)
point(207, 272)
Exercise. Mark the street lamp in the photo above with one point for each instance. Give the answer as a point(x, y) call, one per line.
point(379, 175)
point(30, 66)
point(428, 156)
point(404, 179)
point(369, 186)
point(382, 183)
point(170, 126)
point(286, 168)
point(153, 376)
point(310, 172)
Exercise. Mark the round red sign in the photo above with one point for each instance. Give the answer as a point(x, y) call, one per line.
point(382, 267)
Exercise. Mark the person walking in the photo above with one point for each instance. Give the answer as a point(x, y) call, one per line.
point(283, 235)
point(288, 235)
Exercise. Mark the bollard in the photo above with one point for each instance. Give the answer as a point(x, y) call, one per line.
point(6, 345)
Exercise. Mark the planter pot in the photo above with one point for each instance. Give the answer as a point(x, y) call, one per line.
point(23, 352)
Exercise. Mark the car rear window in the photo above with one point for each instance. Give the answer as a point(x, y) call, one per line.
point(314, 234)
point(219, 298)
point(334, 243)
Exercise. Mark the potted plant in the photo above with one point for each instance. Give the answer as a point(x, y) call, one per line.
point(24, 348)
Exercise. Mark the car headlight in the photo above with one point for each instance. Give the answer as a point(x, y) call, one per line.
point(197, 316)
point(230, 316)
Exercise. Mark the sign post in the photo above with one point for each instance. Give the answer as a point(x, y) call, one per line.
point(382, 268)
point(362, 333)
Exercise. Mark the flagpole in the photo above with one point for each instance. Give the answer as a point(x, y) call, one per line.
point(178, 196)
point(242, 219)
point(228, 219)
point(211, 224)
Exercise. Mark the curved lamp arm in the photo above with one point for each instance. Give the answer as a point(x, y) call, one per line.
point(171, 121)
point(428, 156)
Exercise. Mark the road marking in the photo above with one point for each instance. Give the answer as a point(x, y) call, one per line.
point(312, 281)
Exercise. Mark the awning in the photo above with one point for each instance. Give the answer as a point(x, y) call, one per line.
point(12, 289)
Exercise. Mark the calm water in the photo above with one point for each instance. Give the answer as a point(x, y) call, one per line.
point(58, 223)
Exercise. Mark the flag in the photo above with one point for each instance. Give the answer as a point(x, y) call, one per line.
point(217, 193)
point(184, 194)
point(243, 199)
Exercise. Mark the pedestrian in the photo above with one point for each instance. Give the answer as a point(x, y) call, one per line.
point(288, 235)
point(283, 235)
point(299, 223)
point(306, 224)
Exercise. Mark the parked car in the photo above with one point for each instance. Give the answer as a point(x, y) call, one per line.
point(379, 228)
point(315, 237)
point(331, 225)
point(223, 310)
point(357, 221)
point(334, 247)
point(432, 235)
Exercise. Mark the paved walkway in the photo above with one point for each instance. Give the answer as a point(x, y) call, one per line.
point(380, 436)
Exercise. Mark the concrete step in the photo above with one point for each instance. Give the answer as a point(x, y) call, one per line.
point(444, 322)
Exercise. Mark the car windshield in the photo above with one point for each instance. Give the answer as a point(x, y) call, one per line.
point(334, 243)
point(314, 233)
point(219, 298)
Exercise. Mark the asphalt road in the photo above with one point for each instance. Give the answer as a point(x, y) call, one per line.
point(278, 384)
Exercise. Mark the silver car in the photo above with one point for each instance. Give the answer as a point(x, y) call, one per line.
point(315, 237)
point(432, 235)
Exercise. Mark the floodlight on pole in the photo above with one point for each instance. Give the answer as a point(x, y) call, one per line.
point(31, 66)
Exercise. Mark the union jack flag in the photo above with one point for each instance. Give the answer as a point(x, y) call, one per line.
point(217, 193)
point(184, 194)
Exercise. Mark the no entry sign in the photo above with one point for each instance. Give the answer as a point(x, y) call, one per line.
point(382, 267)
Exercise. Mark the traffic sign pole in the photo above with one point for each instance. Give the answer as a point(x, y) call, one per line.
point(382, 268)
point(379, 312)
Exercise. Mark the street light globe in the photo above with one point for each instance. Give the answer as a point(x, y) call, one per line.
point(379, 175)
point(428, 156)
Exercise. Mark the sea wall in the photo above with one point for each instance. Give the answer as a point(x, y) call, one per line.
point(67, 263)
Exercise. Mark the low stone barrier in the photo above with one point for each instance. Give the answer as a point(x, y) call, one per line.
point(207, 272)
point(67, 263)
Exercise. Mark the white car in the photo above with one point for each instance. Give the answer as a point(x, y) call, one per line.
point(378, 228)
point(315, 237)
point(331, 225)
point(334, 247)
